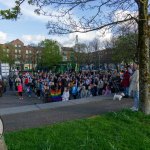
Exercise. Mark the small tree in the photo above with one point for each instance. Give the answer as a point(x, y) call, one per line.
point(10, 58)
point(3, 55)
point(125, 48)
point(50, 55)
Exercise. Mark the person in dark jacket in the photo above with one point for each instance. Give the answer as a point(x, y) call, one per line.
point(94, 90)
point(11, 83)
point(126, 82)
point(1, 88)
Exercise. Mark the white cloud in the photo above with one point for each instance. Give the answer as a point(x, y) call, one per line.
point(28, 11)
point(69, 40)
point(8, 3)
point(121, 15)
point(27, 39)
point(3, 37)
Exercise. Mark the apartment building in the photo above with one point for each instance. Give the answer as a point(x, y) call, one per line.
point(67, 53)
point(24, 57)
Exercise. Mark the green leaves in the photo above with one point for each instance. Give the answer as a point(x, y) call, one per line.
point(12, 13)
point(125, 48)
point(50, 54)
point(5, 56)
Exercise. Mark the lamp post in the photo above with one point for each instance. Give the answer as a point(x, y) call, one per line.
point(77, 51)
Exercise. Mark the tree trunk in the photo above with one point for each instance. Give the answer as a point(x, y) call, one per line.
point(143, 46)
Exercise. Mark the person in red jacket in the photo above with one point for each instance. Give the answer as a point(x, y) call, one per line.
point(126, 82)
point(20, 90)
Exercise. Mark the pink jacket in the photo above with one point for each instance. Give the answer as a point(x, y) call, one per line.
point(20, 89)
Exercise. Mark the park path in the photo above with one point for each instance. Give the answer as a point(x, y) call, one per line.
point(51, 113)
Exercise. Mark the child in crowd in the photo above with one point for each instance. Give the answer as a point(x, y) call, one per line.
point(20, 90)
point(74, 91)
point(84, 92)
point(46, 92)
point(106, 90)
point(65, 96)
point(29, 91)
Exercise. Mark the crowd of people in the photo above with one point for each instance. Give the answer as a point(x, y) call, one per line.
point(72, 85)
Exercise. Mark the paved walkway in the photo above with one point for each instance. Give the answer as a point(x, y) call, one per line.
point(17, 118)
point(10, 99)
point(2, 144)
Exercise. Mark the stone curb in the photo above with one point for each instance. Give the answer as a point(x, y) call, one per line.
point(2, 144)
point(36, 107)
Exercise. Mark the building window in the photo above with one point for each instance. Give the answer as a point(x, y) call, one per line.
point(16, 50)
point(7, 55)
point(19, 45)
point(27, 52)
point(27, 56)
point(16, 56)
point(30, 51)
point(19, 51)
point(15, 45)
point(7, 50)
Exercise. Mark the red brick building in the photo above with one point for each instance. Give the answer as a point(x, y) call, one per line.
point(25, 57)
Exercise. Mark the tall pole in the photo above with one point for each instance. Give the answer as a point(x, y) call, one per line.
point(77, 51)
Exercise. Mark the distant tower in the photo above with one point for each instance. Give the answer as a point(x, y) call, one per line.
point(76, 43)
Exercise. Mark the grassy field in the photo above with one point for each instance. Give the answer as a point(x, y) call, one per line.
point(123, 130)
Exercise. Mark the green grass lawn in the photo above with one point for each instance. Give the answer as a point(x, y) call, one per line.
point(123, 130)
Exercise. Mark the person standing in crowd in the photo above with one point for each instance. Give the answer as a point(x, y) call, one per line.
point(20, 90)
point(17, 81)
point(125, 83)
point(106, 91)
point(94, 90)
point(74, 91)
point(65, 96)
point(29, 91)
point(26, 82)
point(134, 87)
point(46, 92)
point(100, 86)
point(1, 88)
point(38, 90)
point(130, 70)
point(11, 83)
point(5, 85)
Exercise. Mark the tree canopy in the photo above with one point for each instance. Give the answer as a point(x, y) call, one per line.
point(51, 54)
point(7, 54)
point(125, 49)
point(3, 55)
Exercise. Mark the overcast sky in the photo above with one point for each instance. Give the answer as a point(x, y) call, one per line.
point(31, 28)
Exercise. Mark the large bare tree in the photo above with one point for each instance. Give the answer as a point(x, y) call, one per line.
point(69, 16)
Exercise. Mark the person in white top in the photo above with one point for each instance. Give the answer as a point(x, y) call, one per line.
point(134, 87)
point(65, 96)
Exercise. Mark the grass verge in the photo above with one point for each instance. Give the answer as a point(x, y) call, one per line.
point(124, 130)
